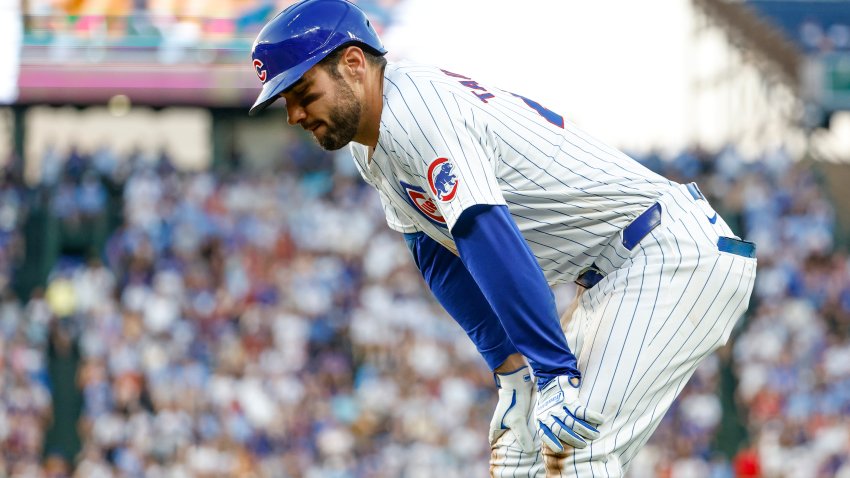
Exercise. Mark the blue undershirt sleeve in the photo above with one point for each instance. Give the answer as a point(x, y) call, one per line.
point(498, 258)
point(458, 293)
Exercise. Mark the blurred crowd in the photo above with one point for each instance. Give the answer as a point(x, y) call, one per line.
point(256, 325)
point(819, 36)
point(241, 324)
point(175, 28)
point(814, 26)
point(790, 356)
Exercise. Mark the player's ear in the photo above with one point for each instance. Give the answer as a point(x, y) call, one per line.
point(354, 62)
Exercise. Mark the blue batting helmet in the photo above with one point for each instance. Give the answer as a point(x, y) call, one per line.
point(300, 37)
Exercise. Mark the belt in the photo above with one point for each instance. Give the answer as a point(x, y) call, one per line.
point(695, 192)
point(649, 220)
point(736, 246)
point(732, 245)
point(632, 235)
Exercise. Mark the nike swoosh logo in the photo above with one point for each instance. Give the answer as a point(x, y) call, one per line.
point(713, 218)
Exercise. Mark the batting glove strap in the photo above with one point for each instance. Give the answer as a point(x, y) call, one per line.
point(520, 377)
point(561, 417)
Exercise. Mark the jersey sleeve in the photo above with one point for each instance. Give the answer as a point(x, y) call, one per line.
point(456, 290)
point(445, 145)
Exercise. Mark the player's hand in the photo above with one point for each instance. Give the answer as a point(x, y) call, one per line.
point(562, 419)
point(516, 393)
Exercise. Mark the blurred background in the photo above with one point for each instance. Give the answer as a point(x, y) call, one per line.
point(189, 292)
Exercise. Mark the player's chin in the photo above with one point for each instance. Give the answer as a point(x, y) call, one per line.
point(330, 141)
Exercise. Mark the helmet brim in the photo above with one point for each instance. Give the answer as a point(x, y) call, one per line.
point(278, 84)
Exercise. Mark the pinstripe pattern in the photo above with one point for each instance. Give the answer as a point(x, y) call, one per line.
point(639, 333)
point(507, 459)
point(568, 193)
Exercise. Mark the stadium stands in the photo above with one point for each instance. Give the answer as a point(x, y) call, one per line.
point(271, 325)
point(814, 25)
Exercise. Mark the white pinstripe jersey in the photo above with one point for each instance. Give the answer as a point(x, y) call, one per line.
point(447, 142)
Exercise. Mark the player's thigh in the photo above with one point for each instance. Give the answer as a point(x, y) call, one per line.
point(678, 338)
point(642, 335)
point(573, 322)
point(508, 460)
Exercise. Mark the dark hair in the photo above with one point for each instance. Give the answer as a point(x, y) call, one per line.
point(331, 62)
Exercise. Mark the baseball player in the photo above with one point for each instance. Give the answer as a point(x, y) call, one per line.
point(499, 198)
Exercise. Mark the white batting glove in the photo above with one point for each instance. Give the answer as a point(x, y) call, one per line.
point(562, 419)
point(516, 392)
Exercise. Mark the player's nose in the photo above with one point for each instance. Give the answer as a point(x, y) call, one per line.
point(295, 114)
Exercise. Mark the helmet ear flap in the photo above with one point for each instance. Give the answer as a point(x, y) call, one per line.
point(300, 37)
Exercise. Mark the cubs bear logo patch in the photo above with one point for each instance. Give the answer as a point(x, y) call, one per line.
point(442, 179)
point(417, 197)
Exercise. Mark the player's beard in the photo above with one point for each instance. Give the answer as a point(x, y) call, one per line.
point(343, 121)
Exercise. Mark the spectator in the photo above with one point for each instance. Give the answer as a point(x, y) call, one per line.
point(248, 324)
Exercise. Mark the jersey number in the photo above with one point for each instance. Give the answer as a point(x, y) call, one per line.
point(550, 115)
point(485, 95)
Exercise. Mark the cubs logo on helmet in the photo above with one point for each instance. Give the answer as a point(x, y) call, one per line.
point(442, 179)
point(420, 200)
point(261, 73)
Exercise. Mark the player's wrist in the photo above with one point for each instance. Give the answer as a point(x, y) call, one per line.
point(544, 379)
point(512, 363)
